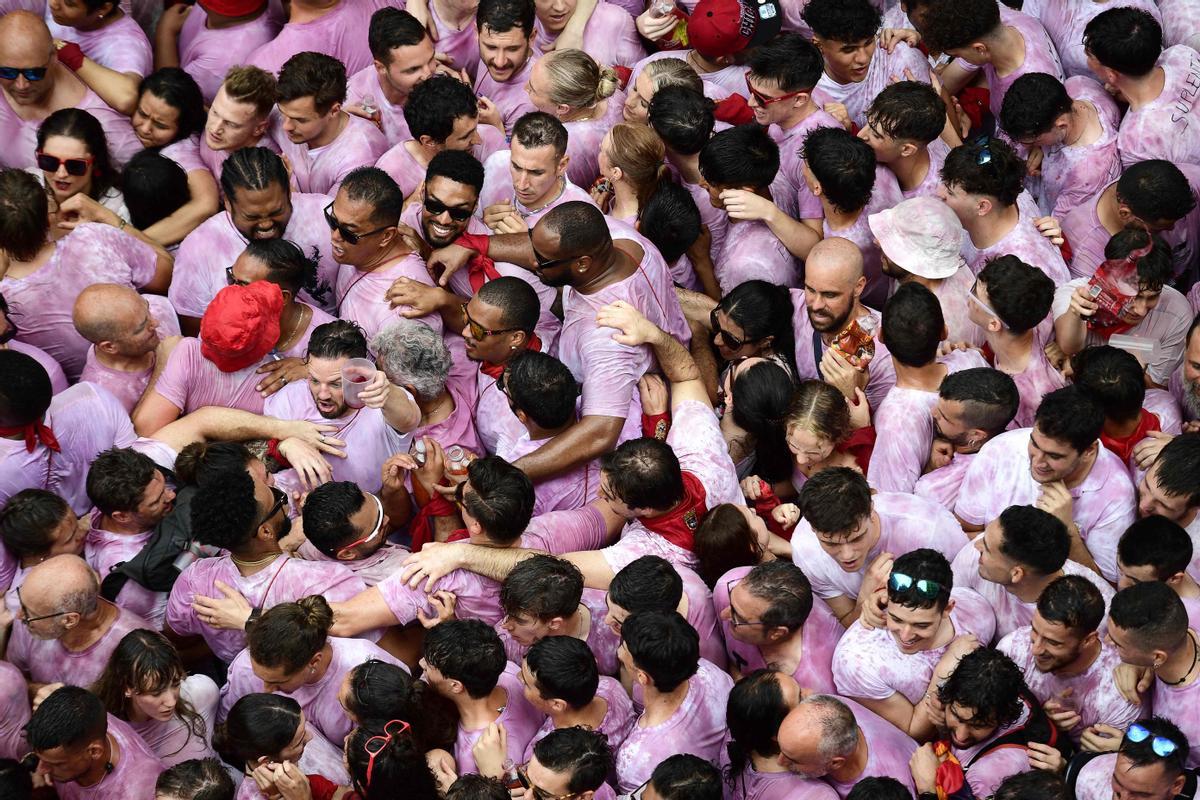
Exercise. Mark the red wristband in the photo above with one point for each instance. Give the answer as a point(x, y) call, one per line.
point(656, 426)
point(479, 242)
point(71, 56)
point(273, 452)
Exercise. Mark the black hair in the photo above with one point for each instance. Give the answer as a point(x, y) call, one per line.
point(671, 220)
point(843, 164)
point(24, 217)
point(580, 227)
point(683, 118)
point(882, 788)
point(564, 668)
point(1152, 613)
point(648, 583)
point(998, 173)
point(539, 129)
point(663, 645)
point(78, 124)
point(644, 473)
point(1020, 294)
point(340, 338)
point(1155, 190)
point(502, 16)
point(516, 299)
point(468, 651)
point(1032, 104)
point(908, 110)
point(397, 768)
point(1178, 472)
point(1034, 538)
point(1074, 602)
point(1128, 40)
point(544, 586)
point(288, 635)
point(459, 166)
point(1142, 754)
point(787, 590)
point(1113, 378)
point(178, 89)
point(990, 684)
point(435, 103)
point(1155, 269)
point(922, 564)
point(582, 751)
point(1068, 415)
point(753, 714)
point(155, 187)
point(288, 267)
point(763, 309)
point(789, 61)
point(913, 325)
point(989, 397)
point(253, 168)
point(196, 779)
point(258, 724)
point(686, 777)
point(950, 26)
point(382, 691)
point(315, 75)
point(25, 391)
point(541, 387)
point(724, 540)
point(28, 521)
point(16, 781)
point(391, 28)
point(835, 500)
point(763, 392)
point(842, 20)
point(473, 786)
point(327, 513)
point(373, 185)
point(225, 511)
point(1036, 784)
point(69, 717)
point(501, 498)
point(1157, 542)
point(200, 461)
point(117, 478)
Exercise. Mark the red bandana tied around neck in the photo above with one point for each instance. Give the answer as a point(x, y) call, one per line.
point(1123, 447)
point(34, 433)
point(480, 269)
point(678, 526)
point(494, 371)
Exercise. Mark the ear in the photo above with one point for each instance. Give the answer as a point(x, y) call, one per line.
point(949, 606)
point(107, 346)
point(1174, 580)
point(335, 109)
point(1017, 574)
point(1087, 640)
point(561, 169)
point(836, 763)
point(345, 555)
point(95, 750)
point(908, 149)
point(802, 100)
point(261, 127)
point(980, 49)
point(1177, 786)
point(859, 286)
point(379, 66)
point(425, 140)
point(984, 206)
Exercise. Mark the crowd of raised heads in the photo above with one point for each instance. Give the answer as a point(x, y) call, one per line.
point(598, 399)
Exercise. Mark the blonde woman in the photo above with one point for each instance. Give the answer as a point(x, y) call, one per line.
point(584, 96)
point(631, 169)
point(653, 76)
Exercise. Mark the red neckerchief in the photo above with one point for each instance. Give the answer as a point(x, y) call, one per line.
point(421, 528)
point(494, 371)
point(480, 270)
point(34, 433)
point(860, 445)
point(1123, 447)
point(460, 535)
point(678, 526)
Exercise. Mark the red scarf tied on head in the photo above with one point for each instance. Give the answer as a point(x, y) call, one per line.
point(34, 433)
point(678, 526)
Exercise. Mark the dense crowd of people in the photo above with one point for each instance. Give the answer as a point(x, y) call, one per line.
point(573, 399)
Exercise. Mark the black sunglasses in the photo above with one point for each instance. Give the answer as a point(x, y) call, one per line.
point(30, 73)
point(731, 341)
point(281, 499)
point(349, 236)
point(544, 264)
point(230, 280)
point(437, 208)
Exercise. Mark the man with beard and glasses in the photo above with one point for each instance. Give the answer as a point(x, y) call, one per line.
point(259, 205)
point(973, 406)
point(828, 303)
point(1185, 382)
point(372, 431)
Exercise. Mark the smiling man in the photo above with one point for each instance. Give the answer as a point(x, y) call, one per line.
point(505, 49)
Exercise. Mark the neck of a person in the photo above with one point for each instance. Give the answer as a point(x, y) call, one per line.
point(1012, 351)
point(1140, 91)
point(538, 434)
point(290, 320)
point(606, 270)
point(1007, 49)
point(1186, 586)
point(587, 112)
point(855, 764)
point(479, 712)
point(798, 115)
point(1180, 666)
point(102, 22)
point(421, 153)
point(786, 651)
point(217, 22)
point(318, 672)
point(931, 284)
point(108, 523)
point(990, 228)
point(1083, 661)
point(100, 768)
point(556, 190)
point(1108, 210)
point(911, 170)
point(395, 251)
point(1120, 428)
point(254, 551)
point(625, 200)
point(768, 764)
point(590, 715)
point(659, 706)
point(1084, 468)
point(90, 628)
point(437, 409)
point(836, 218)
point(308, 10)
point(701, 64)
point(394, 96)
point(456, 18)
point(688, 167)
point(121, 363)
point(1030, 589)
point(1083, 125)
point(925, 378)
point(332, 131)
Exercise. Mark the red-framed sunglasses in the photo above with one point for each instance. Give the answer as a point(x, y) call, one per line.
point(374, 746)
point(75, 166)
point(765, 101)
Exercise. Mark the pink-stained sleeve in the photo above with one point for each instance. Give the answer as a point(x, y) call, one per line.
point(174, 381)
point(14, 712)
point(859, 661)
point(570, 531)
point(696, 438)
point(904, 434)
point(977, 499)
point(1095, 779)
point(611, 372)
point(986, 774)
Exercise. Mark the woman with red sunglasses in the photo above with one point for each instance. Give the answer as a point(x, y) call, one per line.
point(72, 157)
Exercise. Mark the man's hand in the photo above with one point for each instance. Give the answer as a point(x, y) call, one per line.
point(435, 561)
point(924, 766)
point(842, 375)
point(751, 487)
point(1082, 304)
point(315, 435)
point(421, 298)
point(652, 27)
point(1056, 499)
point(44, 692)
point(1033, 164)
point(229, 613)
point(860, 409)
point(653, 392)
point(1101, 738)
point(1061, 712)
point(941, 453)
point(633, 328)
point(1133, 681)
point(502, 217)
point(394, 470)
point(1146, 451)
point(878, 572)
point(838, 111)
point(490, 750)
point(890, 37)
point(741, 204)
point(1051, 229)
point(291, 782)
point(170, 23)
point(79, 208)
point(279, 374)
point(309, 464)
point(489, 114)
point(874, 609)
point(448, 260)
point(443, 604)
point(1044, 757)
point(375, 394)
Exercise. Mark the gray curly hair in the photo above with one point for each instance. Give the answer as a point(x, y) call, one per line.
point(412, 354)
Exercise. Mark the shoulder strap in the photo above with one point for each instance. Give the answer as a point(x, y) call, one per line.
point(1074, 767)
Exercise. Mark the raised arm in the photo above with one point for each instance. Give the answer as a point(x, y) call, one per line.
point(676, 362)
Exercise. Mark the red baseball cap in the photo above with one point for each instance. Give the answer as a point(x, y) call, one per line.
point(718, 28)
point(232, 8)
point(241, 325)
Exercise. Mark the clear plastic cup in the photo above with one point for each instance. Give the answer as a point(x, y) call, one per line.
point(356, 373)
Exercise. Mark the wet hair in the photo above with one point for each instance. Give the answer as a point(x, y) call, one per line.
point(842, 20)
point(820, 409)
point(155, 187)
point(225, 511)
point(638, 152)
point(1002, 176)
point(1128, 40)
point(179, 90)
point(1032, 104)
point(145, 662)
point(253, 168)
point(1021, 295)
point(516, 299)
point(908, 110)
point(648, 583)
point(459, 166)
point(75, 123)
point(670, 218)
point(543, 586)
point(24, 215)
point(666, 72)
point(28, 521)
point(539, 129)
point(382, 691)
point(663, 645)
point(69, 717)
point(1155, 190)
point(1073, 602)
point(196, 779)
point(541, 387)
point(468, 651)
point(843, 164)
point(564, 668)
point(253, 86)
point(338, 339)
point(1178, 472)
point(683, 118)
point(884, 788)
point(398, 769)
point(922, 564)
point(501, 498)
point(763, 392)
point(502, 16)
point(789, 61)
point(644, 473)
point(327, 513)
point(288, 267)
point(315, 75)
point(1157, 542)
point(1142, 754)
point(990, 684)
point(787, 590)
point(1152, 613)
point(1155, 269)
point(258, 725)
point(724, 540)
point(576, 80)
point(1035, 784)
point(1069, 415)
point(117, 479)
point(288, 635)
point(1035, 539)
point(391, 28)
point(1113, 378)
point(753, 714)
point(373, 185)
point(989, 397)
point(835, 500)
point(580, 750)
point(413, 354)
point(473, 786)
point(763, 309)
point(200, 461)
point(951, 26)
point(913, 325)
point(435, 104)
point(686, 777)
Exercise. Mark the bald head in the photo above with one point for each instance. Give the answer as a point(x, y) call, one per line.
point(24, 40)
point(60, 584)
point(817, 736)
point(107, 311)
point(836, 257)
